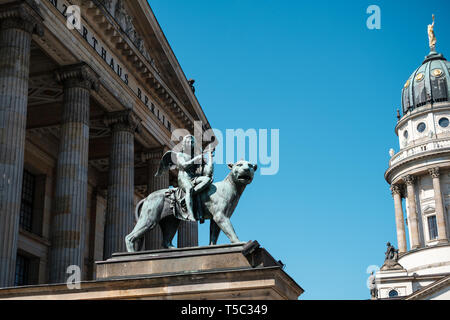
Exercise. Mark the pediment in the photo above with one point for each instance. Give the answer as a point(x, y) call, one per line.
point(428, 209)
point(118, 10)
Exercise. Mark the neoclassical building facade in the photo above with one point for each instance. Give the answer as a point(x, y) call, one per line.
point(419, 176)
point(88, 104)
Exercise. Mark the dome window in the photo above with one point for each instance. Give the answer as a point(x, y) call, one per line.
point(421, 127)
point(393, 293)
point(405, 134)
point(443, 122)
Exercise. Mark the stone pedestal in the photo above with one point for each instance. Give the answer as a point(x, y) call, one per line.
point(236, 271)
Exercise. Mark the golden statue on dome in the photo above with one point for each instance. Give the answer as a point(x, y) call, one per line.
point(431, 36)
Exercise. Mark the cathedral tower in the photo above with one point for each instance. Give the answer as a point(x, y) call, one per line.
point(420, 174)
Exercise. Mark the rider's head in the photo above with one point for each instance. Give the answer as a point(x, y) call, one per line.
point(188, 145)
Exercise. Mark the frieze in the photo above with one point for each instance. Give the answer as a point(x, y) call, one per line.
point(103, 51)
point(117, 10)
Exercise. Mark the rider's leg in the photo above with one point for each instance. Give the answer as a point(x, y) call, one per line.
point(189, 201)
point(186, 185)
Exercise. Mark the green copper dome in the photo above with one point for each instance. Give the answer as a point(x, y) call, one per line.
point(428, 84)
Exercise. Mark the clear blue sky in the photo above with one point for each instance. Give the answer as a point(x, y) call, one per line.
point(313, 70)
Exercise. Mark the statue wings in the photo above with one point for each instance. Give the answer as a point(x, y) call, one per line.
point(167, 162)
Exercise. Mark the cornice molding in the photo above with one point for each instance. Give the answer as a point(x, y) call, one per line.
point(393, 170)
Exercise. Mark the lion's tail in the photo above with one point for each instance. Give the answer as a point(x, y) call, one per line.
point(136, 211)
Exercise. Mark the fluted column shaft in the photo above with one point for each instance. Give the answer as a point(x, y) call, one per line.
point(153, 238)
point(412, 219)
point(69, 209)
point(399, 221)
point(120, 200)
point(439, 206)
point(17, 23)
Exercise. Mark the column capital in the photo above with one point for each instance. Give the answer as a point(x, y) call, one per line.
point(154, 155)
point(397, 190)
point(434, 172)
point(78, 75)
point(409, 179)
point(23, 14)
point(124, 120)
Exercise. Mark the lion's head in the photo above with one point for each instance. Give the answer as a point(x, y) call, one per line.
point(242, 172)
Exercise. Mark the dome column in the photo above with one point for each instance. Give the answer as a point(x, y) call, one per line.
point(412, 218)
point(439, 207)
point(401, 234)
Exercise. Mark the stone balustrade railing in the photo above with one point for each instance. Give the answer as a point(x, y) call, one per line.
point(420, 148)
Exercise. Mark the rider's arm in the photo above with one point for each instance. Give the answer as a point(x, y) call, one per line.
point(184, 164)
point(209, 167)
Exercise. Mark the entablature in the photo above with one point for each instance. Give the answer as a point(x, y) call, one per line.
point(119, 87)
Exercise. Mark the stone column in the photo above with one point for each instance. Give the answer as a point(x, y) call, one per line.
point(412, 219)
point(18, 21)
point(69, 207)
point(187, 234)
point(439, 206)
point(153, 238)
point(401, 235)
point(120, 200)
